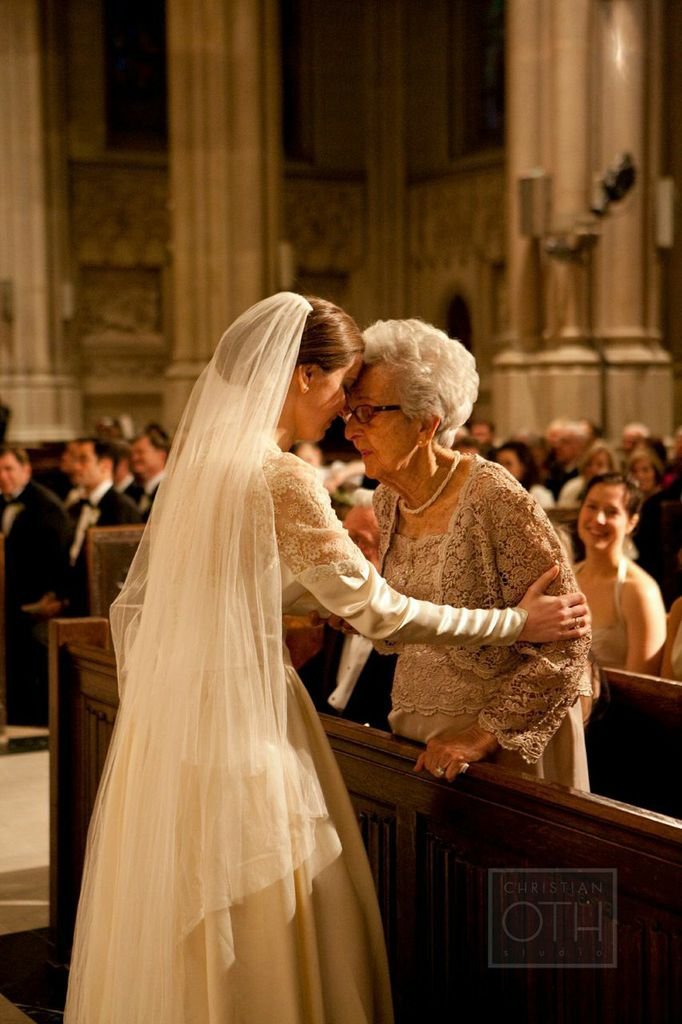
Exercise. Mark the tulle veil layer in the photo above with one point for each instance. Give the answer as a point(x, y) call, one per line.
point(202, 801)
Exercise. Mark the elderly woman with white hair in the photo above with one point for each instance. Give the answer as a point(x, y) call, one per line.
point(461, 530)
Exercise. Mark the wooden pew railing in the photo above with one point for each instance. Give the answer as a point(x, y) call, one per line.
point(109, 552)
point(431, 847)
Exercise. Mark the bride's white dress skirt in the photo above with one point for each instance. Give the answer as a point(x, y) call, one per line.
point(324, 965)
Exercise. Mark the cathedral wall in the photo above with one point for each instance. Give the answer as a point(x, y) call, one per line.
point(456, 249)
point(118, 212)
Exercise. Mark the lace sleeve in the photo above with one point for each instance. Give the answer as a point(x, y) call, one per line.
point(311, 539)
point(319, 552)
point(529, 700)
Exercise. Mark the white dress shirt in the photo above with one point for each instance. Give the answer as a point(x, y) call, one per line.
point(88, 517)
point(10, 512)
point(145, 502)
point(124, 483)
point(354, 654)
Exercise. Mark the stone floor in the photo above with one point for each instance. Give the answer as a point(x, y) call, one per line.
point(30, 989)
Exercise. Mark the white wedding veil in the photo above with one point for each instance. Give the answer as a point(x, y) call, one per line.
point(202, 801)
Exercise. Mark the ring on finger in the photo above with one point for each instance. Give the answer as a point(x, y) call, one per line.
point(439, 771)
point(464, 767)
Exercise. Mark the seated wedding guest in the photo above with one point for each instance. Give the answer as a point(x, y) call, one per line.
point(60, 480)
point(148, 456)
point(671, 667)
point(673, 472)
point(124, 481)
point(456, 528)
point(36, 531)
point(628, 615)
point(108, 429)
point(646, 469)
point(599, 458)
point(517, 459)
point(592, 431)
point(101, 506)
point(344, 476)
point(569, 443)
point(348, 676)
point(466, 444)
point(632, 435)
point(335, 475)
point(655, 546)
point(483, 431)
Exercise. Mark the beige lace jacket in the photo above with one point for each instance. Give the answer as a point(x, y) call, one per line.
point(321, 567)
point(499, 542)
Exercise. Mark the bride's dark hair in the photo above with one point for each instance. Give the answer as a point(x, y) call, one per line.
point(330, 337)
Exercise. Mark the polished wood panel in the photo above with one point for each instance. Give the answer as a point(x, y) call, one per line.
point(633, 745)
point(431, 848)
point(109, 552)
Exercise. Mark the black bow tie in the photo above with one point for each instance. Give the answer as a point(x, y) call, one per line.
point(85, 503)
point(11, 501)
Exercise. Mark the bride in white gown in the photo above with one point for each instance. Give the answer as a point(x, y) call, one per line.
point(225, 878)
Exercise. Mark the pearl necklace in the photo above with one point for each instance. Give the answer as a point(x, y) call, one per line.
point(436, 494)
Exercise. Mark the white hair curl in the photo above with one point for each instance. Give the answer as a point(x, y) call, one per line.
point(436, 375)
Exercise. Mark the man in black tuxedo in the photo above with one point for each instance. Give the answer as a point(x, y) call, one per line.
point(37, 534)
point(101, 506)
point(124, 481)
point(59, 480)
point(348, 676)
point(148, 456)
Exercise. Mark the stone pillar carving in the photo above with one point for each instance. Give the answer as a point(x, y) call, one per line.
point(599, 355)
point(223, 64)
point(638, 383)
point(386, 194)
point(34, 380)
point(547, 366)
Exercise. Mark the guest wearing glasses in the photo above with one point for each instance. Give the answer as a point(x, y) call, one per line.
point(457, 529)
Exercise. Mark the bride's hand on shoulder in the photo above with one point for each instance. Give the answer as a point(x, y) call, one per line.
point(566, 617)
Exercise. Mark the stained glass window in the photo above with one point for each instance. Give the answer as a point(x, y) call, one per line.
point(135, 48)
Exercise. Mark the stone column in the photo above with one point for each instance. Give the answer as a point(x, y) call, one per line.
point(386, 195)
point(596, 311)
point(223, 65)
point(638, 373)
point(512, 378)
point(44, 399)
point(567, 367)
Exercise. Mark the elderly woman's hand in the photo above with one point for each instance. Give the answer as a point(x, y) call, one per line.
point(451, 753)
point(553, 618)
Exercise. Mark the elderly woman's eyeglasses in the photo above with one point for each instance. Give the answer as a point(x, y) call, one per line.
point(364, 413)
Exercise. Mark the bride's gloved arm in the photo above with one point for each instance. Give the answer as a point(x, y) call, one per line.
point(366, 601)
point(321, 555)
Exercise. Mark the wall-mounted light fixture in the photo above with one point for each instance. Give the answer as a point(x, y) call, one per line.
point(535, 196)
